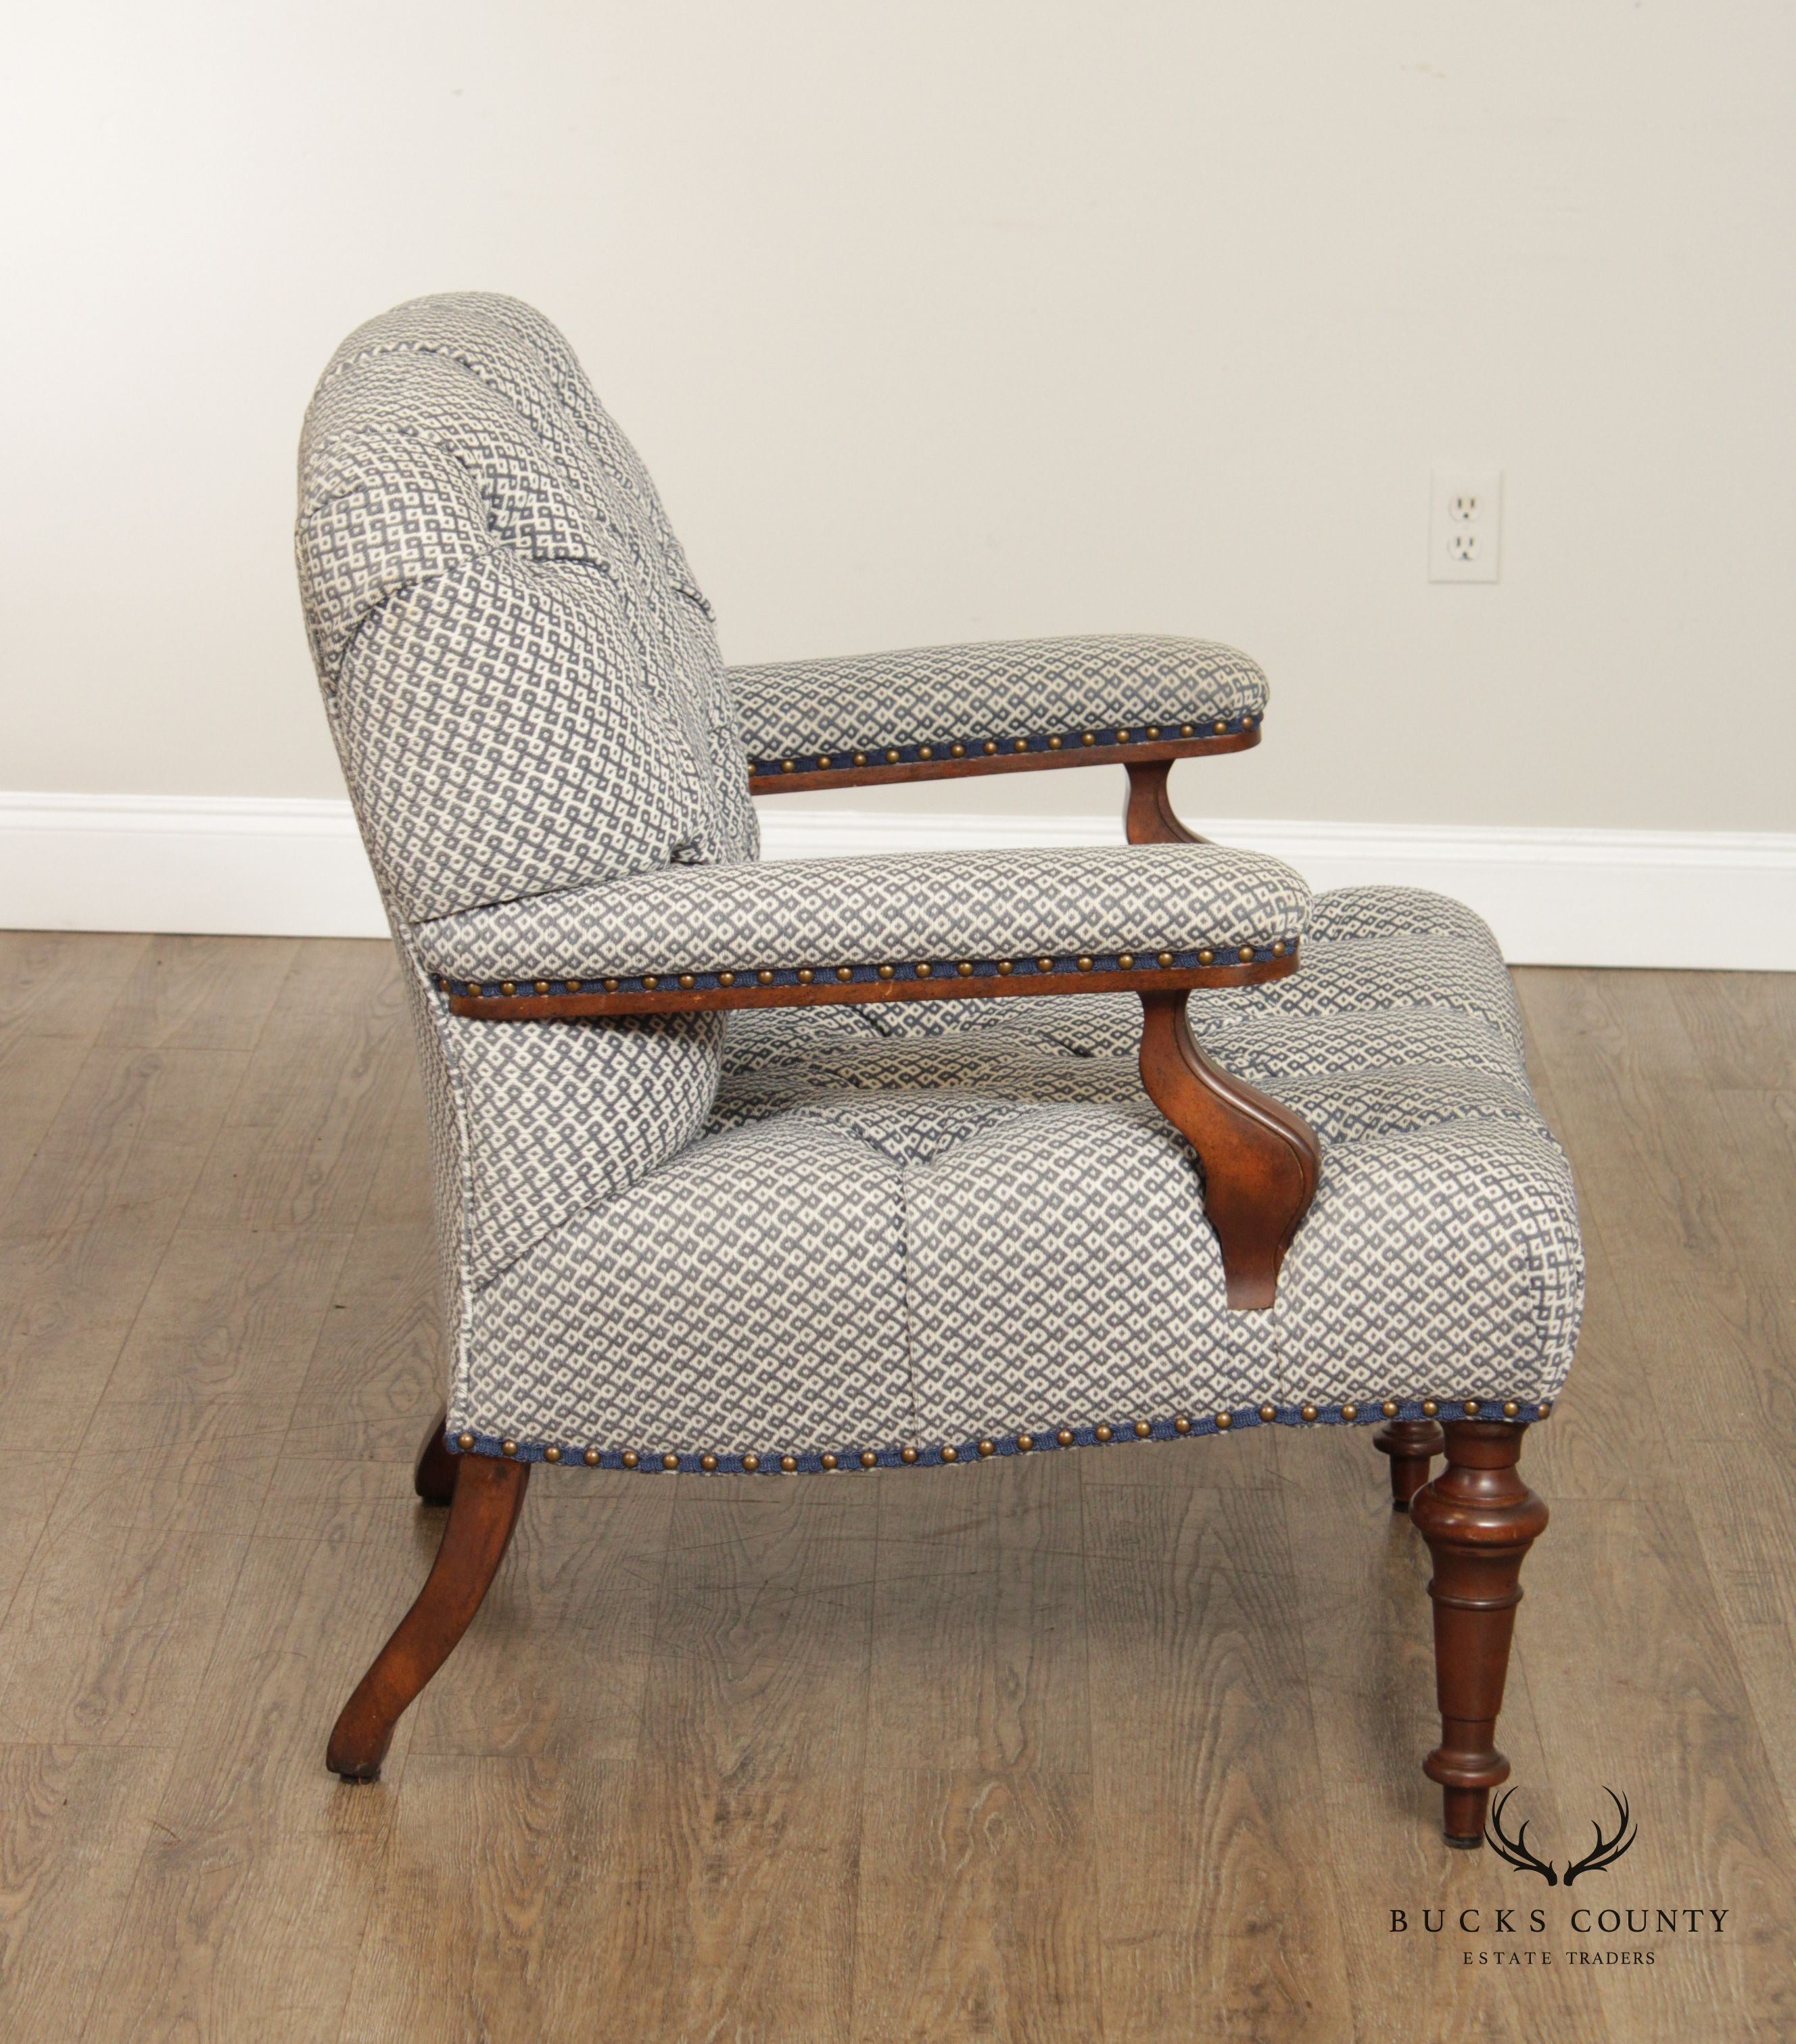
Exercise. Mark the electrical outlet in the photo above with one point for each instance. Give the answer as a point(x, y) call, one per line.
point(1465, 525)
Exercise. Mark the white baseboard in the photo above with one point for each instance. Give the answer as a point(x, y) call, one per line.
point(257, 866)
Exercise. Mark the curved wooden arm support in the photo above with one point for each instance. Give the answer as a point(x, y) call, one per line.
point(1260, 1160)
point(1147, 815)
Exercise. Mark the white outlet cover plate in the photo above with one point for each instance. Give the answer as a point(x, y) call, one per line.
point(1465, 525)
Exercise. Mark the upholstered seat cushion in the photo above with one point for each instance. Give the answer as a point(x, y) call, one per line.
point(895, 1239)
point(1034, 688)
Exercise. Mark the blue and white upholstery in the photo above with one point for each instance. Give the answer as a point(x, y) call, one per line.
point(807, 1238)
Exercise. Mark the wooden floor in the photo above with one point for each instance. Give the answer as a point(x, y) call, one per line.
point(1121, 1745)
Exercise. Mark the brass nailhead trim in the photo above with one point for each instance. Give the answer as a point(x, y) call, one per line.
point(1187, 730)
point(959, 751)
point(1065, 1437)
point(1182, 1425)
point(828, 1462)
point(686, 979)
point(788, 766)
point(991, 745)
point(1510, 1408)
point(574, 986)
point(1350, 1412)
point(630, 1458)
point(1389, 1408)
point(988, 1447)
point(1053, 745)
point(1206, 958)
point(965, 969)
point(844, 972)
point(788, 1463)
point(1084, 964)
point(868, 1458)
point(1164, 957)
point(860, 760)
point(1269, 1413)
point(1278, 948)
point(1122, 733)
point(726, 979)
point(465, 1442)
point(1101, 1431)
point(1126, 960)
point(1142, 1429)
point(1247, 954)
point(1430, 1407)
point(1220, 726)
point(805, 975)
point(951, 1455)
point(764, 976)
point(1471, 1409)
point(824, 759)
point(1005, 968)
point(1088, 738)
point(1044, 965)
point(1224, 1422)
point(707, 1462)
point(886, 971)
point(1019, 745)
point(590, 1458)
point(1545, 1407)
point(552, 1454)
point(923, 969)
point(907, 1455)
point(925, 752)
point(508, 986)
point(542, 985)
point(1153, 730)
point(891, 752)
point(508, 1447)
point(650, 981)
point(611, 986)
point(1306, 1411)
point(1025, 1442)
point(750, 1463)
point(670, 1462)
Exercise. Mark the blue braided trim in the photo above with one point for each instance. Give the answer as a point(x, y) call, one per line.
point(936, 751)
point(810, 1461)
point(937, 969)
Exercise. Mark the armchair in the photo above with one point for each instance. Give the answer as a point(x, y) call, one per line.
point(826, 1165)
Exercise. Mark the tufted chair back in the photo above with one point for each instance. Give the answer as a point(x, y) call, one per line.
point(527, 698)
point(521, 673)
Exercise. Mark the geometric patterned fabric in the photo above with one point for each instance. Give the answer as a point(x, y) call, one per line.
point(919, 1231)
point(936, 695)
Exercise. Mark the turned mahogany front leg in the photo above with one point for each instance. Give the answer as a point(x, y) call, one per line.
point(434, 1478)
point(489, 1494)
point(1479, 1519)
point(1411, 1444)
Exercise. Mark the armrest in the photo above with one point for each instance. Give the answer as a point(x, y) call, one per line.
point(1156, 919)
point(938, 712)
point(876, 928)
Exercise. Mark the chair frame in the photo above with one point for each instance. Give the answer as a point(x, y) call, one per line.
point(1260, 1162)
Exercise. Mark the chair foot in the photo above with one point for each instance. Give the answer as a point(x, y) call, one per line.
point(434, 1478)
point(488, 1496)
point(1410, 1444)
point(1479, 1519)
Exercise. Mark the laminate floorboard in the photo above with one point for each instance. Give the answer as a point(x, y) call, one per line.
point(1117, 1745)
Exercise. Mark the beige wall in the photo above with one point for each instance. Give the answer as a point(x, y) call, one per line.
point(941, 321)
